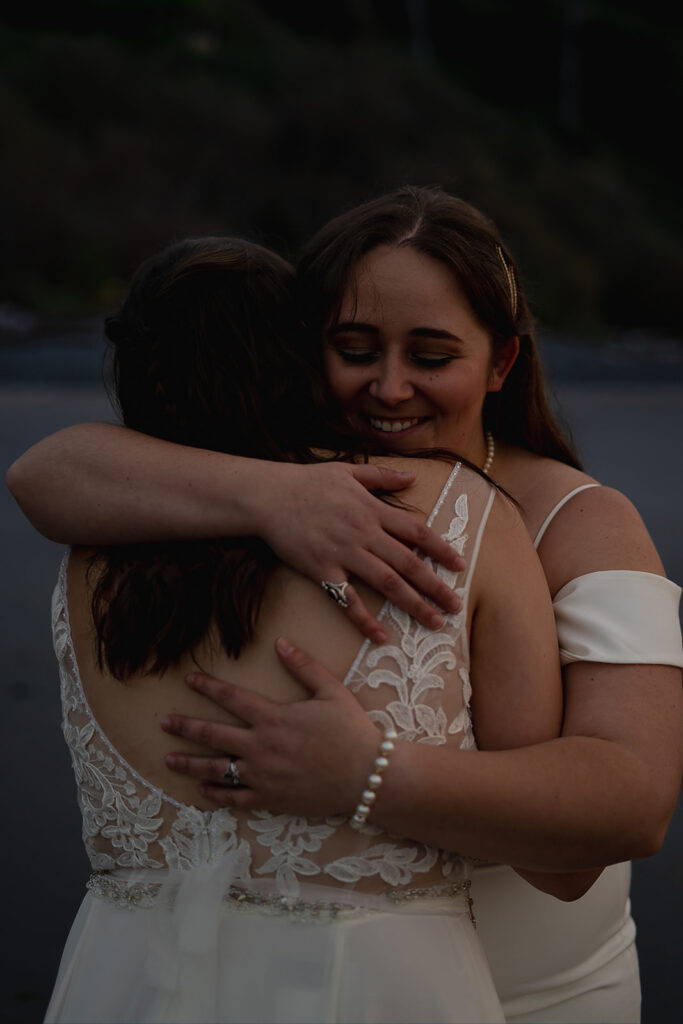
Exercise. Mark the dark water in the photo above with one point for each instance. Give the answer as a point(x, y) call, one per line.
point(629, 431)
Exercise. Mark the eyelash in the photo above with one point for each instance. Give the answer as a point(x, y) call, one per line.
point(363, 357)
point(427, 361)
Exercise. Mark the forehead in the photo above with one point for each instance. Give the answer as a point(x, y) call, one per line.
point(398, 277)
point(399, 287)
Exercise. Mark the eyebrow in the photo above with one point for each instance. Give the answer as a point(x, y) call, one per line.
point(434, 332)
point(356, 326)
point(346, 326)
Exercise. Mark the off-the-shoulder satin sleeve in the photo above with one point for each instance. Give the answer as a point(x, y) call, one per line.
point(621, 617)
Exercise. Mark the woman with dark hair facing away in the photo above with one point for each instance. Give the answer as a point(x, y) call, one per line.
point(373, 287)
point(198, 913)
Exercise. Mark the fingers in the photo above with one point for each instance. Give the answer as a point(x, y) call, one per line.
point(398, 574)
point(208, 769)
point(400, 523)
point(421, 536)
point(357, 612)
point(317, 680)
point(211, 772)
point(380, 478)
point(412, 569)
point(240, 799)
point(229, 739)
point(378, 572)
point(366, 623)
point(244, 704)
point(399, 592)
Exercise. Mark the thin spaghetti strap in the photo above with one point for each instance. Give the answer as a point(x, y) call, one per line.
point(561, 503)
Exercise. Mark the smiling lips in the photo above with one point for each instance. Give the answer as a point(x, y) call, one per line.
point(393, 426)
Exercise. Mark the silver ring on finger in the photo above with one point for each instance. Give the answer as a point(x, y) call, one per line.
point(337, 591)
point(232, 773)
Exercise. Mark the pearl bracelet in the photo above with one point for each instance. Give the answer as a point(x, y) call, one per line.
point(367, 799)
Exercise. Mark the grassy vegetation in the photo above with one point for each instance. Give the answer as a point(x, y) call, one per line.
point(133, 124)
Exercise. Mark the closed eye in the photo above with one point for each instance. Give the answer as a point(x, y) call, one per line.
point(357, 355)
point(427, 359)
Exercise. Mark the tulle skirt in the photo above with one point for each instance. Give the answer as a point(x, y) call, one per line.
point(417, 961)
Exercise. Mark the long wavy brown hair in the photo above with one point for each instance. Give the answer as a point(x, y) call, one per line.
point(205, 352)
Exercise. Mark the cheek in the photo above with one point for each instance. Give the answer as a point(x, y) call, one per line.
point(451, 396)
point(460, 392)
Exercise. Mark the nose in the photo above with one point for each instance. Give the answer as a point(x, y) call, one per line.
point(391, 385)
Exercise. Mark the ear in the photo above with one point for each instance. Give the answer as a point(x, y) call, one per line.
point(502, 362)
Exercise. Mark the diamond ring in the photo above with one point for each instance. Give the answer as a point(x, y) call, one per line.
point(337, 591)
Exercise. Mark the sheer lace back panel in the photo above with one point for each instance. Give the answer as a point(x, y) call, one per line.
point(418, 683)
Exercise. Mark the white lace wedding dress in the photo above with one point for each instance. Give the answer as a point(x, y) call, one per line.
point(248, 916)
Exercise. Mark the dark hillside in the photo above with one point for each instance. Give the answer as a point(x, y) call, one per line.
point(133, 123)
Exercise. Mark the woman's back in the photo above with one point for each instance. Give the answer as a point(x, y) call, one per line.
point(140, 815)
point(130, 713)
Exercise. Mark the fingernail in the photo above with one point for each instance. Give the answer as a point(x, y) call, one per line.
point(171, 760)
point(404, 475)
point(283, 645)
point(166, 723)
point(379, 637)
point(191, 680)
point(436, 620)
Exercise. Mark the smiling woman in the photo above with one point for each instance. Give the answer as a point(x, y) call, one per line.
point(407, 355)
point(190, 906)
point(406, 281)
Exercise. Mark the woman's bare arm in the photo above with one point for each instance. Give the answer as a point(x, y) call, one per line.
point(96, 484)
point(566, 804)
point(602, 793)
point(637, 709)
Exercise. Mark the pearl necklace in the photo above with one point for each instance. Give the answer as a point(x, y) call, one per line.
point(490, 453)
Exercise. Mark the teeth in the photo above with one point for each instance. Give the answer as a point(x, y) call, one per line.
point(392, 426)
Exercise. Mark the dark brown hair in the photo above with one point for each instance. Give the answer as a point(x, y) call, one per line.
point(206, 353)
point(455, 233)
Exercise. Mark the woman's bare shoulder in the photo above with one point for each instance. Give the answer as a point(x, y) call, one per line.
point(598, 530)
point(537, 483)
point(430, 478)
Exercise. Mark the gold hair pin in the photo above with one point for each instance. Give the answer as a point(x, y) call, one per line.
point(511, 281)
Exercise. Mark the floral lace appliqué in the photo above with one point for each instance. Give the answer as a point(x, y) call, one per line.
point(417, 683)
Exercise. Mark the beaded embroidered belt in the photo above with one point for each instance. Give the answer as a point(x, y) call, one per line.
point(144, 895)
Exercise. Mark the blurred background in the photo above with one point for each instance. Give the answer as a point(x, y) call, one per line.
point(127, 124)
point(131, 122)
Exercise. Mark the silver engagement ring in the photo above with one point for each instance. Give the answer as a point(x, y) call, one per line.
point(232, 773)
point(337, 592)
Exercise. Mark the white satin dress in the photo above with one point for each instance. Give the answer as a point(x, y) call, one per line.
point(555, 962)
point(249, 916)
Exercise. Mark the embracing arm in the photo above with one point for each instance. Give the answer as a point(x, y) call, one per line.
point(603, 792)
point(606, 790)
point(564, 805)
point(576, 802)
point(98, 483)
point(519, 701)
